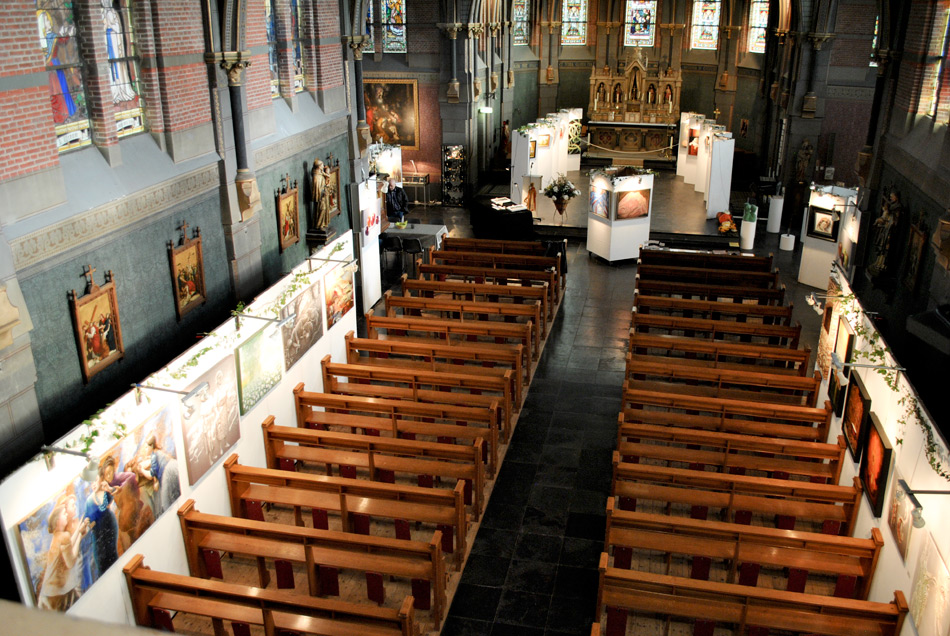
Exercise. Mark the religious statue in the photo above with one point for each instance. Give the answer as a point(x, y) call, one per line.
point(618, 94)
point(651, 94)
point(320, 195)
point(803, 159)
point(602, 92)
point(531, 199)
point(668, 94)
point(882, 232)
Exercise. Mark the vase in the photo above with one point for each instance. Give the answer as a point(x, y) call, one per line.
point(559, 205)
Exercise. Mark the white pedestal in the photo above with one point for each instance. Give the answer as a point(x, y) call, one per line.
point(787, 242)
point(747, 235)
point(776, 203)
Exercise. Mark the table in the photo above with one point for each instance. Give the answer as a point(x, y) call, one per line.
point(428, 235)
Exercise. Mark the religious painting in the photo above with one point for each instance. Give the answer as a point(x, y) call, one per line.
point(544, 141)
point(338, 286)
point(836, 391)
point(288, 213)
point(188, 273)
point(844, 343)
point(333, 189)
point(633, 205)
point(532, 148)
point(823, 224)
point(915, 251)
point(743, 128)
point(259, 367)
point(599, 202)
point(210, 421)
point(857, 412)
point(59, 44)
point(930, 592)
point(70, 540)
point(96, 325)
point(899, 516)
point(307, 326)
point(876, 464)
point(692, 146)
point(392, 111)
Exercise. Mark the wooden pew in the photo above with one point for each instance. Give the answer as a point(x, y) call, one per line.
point(728, 355)
point(381, 457)
point(738, 497)
point(730, 330)
point(705, 260)
point(738, 453)
point(249, 488)
point(492, 260)
point(730, 416)
point(852, 561)
point(454, 332)
point(156, 595)
point(718, 277)
point(523, 277)
point(205, 535)
point(423, 386)
point(623, 591)
point(475, 291)
point(704, 291)
point(713, 309)
point(451, 243)
point(401, 418)
point(672, 375)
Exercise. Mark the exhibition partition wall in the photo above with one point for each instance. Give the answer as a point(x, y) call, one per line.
point(832, 217)
point(618, 220)
point(540, 151)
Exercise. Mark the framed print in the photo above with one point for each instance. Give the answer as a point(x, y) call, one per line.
point(392, 111)
point(288, 214)
point(844, 343)
point(826, 317)
point(915, 251)
point(836, 392)
point(633, 205)
point(899, 518)
point(532, 148)
point(692, 147)
point(876, 465)
point(306, 328)
point(338, 286)
point(930, 592)
point(96, 325)
point(333, 189)
point(599, 202)
point(210, 422)
point(857, 411)
point(544, 141)
point(188, 272)
point(823, 224)
point(259, 367)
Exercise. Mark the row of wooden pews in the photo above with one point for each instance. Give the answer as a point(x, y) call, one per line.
point(726, 512)
point(361, 519)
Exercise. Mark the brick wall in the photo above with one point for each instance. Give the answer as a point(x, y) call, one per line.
point(329, 51)
point(257, 75)
point(421, 33)
point(183, 88)
point(854, 30)
point(428, 157)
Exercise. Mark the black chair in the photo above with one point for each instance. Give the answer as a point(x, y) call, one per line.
point(413, 248)
point(391, 245)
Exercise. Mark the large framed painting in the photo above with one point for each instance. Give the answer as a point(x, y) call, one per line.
point(338, 286)
point(844, 343)
point(71, 539)
point(333, 189)
point(307, 326)
point(96, 325)
point(876, 464)
point(899, 515)
point(210, 422)
point(857, 412)
point(930, 592)
point(823, 224)
point(599, 202)
point(836, 391)
point(288, 214)
point(392, 111)
point(633, 205)
point(188, 272)
point(260, 366)
point(915, 251)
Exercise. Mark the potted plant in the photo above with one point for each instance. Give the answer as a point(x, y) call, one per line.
point(560, 191)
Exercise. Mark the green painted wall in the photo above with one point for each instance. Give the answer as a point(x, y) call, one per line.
point(573, 89)
point(698, 93)
point(526, 98)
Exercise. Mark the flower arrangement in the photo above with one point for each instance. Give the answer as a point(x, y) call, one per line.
point(561, 189)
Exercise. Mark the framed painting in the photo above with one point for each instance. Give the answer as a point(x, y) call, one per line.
point(333, 189)
point(259, 367)
point(599, 198)
point(96, 325)
point(188, 272)
point(915, 251)
point(73, 538)
point(844, 343)
point(210, 422)
point(532, 148)
point(930, 592)
point(692, 146)
point(288, 215)
point(899, 518)
point(544, 141)
point(392, 111)
point(633, 205)
point(338, 286)
point(876, 465)
point(836, 391)
point(857, 412)
point(823, 224)
point(306, 328)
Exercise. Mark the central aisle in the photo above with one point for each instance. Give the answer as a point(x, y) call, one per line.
point(533, 566)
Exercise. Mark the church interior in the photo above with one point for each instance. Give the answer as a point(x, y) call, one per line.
point(655, 342)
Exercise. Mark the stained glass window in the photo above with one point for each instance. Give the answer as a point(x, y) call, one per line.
point(877, 25)
point(370, 42)
point(295, 12)
point(270, 19)
point(521, 22)
point(758, 25)
point(394, 26)
point(705, 25)
point(639, 23)
point(574, 22)
point(936, 67)
point(123, 68)
point(60, 42)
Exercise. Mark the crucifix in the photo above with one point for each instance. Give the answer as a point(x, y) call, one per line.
point(90, 283)
point(184, 232)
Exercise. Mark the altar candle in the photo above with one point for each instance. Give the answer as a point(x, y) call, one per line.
point(671, 107)
point(595, 103)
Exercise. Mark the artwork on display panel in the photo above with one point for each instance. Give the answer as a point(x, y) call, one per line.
point(600, 202)
point(915, 251)
point(836, 392)
point(260, 363)
point(188, 273)
point(392, 111)
point(96, 325)
point(71, 539)
point(338, 288)
point(899, 518)
point(692, 147)
point(633, 205)
point(210, 421)
point(307, 327)
point(876, 464)
point(544, 141)
point(823, 224)
point(857, 412)
point(532, 148)
point(844, 343)
point(930, 592)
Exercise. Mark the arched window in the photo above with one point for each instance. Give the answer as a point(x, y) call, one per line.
point(123, 68)
point(758, 25)
point(394, 26)
point(270, 19)
point(705, 33)
point(60, 42)
point(937, 55)
point(521, 22)
point(295, 12)
point(574, 22)
point(639, 23)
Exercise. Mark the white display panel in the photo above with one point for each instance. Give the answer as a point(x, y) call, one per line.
point(720, 174)
point(619, 235)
